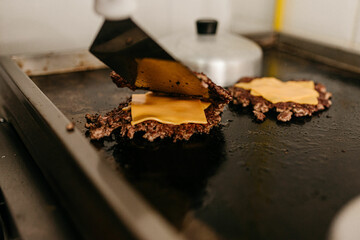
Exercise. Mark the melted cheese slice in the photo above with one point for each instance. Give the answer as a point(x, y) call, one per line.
point(168, 110)
point(275, 91)
point(168, 76)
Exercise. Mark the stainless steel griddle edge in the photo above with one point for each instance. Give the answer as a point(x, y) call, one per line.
point(102, 205)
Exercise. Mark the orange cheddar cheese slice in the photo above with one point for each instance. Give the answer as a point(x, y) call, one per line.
point(168, 110)
point(276, 91)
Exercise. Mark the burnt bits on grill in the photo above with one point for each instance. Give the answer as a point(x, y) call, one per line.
point(119, 119)
point(285, 110)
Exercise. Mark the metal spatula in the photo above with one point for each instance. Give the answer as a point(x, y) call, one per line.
point(128, 50)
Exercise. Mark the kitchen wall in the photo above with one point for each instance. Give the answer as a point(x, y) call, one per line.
point(253, 16)
point(42, 26)
point(333, 22)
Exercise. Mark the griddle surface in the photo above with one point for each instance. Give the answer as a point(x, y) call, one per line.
point(247, 180)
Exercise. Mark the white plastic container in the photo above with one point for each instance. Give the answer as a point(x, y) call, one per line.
point(222, 57)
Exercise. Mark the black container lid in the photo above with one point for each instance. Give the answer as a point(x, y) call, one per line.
point(206, 26)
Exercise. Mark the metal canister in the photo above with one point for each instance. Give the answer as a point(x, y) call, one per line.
point(223, 57)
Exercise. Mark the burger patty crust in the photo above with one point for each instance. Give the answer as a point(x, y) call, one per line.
point(120, 118)
point(286, 110)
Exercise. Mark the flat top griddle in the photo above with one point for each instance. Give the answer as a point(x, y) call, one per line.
point(246, 180)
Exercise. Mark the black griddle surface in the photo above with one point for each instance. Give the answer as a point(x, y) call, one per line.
point(246, 180)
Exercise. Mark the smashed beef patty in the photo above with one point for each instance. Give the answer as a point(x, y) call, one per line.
point(286, 110)
point(120, 118)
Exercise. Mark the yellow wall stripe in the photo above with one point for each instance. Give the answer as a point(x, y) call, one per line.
point(279, 14)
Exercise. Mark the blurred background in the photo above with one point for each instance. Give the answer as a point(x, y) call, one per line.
point(42, 26)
